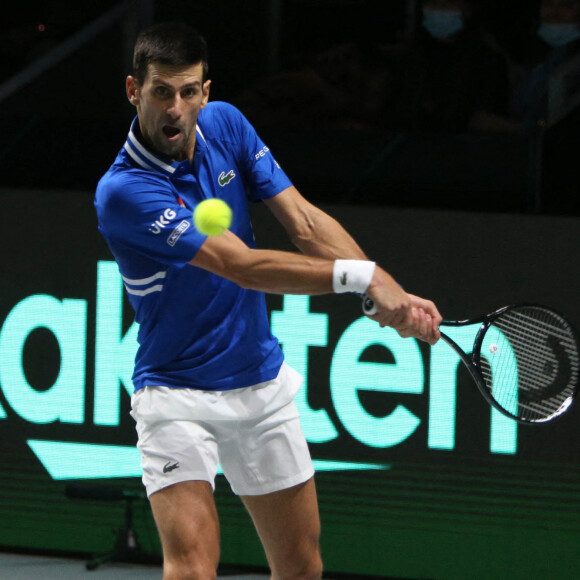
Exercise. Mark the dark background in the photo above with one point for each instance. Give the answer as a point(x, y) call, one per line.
point(63, 129)
point(453, 217)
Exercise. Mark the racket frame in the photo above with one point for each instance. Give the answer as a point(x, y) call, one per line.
point(472, 361)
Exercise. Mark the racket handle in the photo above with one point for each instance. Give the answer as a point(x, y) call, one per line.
point(368, 305)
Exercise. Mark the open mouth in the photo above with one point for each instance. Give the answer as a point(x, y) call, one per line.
point(171, 132)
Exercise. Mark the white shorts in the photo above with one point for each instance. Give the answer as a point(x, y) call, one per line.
point(254, 433)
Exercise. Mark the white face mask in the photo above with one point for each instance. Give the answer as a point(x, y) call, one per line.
point(559, 34)
point(442, 23)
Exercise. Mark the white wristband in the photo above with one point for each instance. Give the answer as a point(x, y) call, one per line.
point(352, 275)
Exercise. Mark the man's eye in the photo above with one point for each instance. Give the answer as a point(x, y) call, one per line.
point(188, 93)
point(161, 91)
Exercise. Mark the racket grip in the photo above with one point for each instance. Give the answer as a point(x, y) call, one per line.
point(368, 305)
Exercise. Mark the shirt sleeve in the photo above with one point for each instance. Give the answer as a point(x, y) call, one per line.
point(262, 172)
point(140, 211)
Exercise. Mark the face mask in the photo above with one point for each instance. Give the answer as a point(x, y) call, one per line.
point(556, 34)
point(442, 23)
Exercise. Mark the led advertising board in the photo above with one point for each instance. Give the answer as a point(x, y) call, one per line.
point(417, 475)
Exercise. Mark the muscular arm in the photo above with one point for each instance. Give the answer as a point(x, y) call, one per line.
point(269, 271)
point(311, 230)
point(278, 272)
point(315, 233)
point(319, 237)
point(321, 240)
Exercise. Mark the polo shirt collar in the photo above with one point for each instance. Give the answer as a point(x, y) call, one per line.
point(145, 158)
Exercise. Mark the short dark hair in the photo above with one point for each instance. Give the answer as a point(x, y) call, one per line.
point(171, 43)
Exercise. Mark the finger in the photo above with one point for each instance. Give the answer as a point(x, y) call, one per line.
point(395, 319)
point(425, 325)
point(433, 333)
point(422, 327)
point(435, 314)
point(410, 326)
point(429, 334)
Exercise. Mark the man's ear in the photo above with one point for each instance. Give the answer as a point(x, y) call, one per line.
point(205, 91)
point(132, 87)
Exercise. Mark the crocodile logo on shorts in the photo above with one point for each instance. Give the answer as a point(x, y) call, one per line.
point(170, 466)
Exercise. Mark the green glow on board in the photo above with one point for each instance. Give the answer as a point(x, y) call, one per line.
point(503, 431)
point(64, 401)
point(442, 396)
point(114, 353)
point(348, 375)
point(297, 329)
point(68, 460)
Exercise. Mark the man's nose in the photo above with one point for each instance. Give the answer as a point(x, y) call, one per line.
point(174, 110)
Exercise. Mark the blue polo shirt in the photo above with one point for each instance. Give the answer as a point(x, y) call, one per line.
point(196, 329)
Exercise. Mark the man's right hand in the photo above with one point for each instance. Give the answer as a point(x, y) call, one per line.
point(409, 315)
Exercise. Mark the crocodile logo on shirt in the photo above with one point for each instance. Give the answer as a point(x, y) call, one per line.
point(225, 178)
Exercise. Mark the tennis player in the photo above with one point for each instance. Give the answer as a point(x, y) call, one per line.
point(210, 380)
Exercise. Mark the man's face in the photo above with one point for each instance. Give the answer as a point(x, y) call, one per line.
point(168, 104)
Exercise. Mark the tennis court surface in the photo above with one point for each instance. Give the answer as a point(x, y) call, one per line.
point(31, 567)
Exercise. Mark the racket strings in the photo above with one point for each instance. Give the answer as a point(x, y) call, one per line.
point(540, 341)
point(544, 377)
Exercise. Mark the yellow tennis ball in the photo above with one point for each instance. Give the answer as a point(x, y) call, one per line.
point(212, 216)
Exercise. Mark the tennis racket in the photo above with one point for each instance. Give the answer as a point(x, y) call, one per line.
point(525, 360)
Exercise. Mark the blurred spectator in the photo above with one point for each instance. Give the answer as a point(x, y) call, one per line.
point(557, 42)
point(450, 79)
point(344, 87)
point(560, 178)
